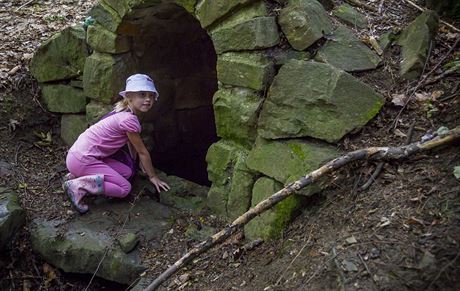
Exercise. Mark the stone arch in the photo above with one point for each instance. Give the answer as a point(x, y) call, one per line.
point(166, 42)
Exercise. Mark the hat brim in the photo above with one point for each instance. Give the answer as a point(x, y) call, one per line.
point(123, 93)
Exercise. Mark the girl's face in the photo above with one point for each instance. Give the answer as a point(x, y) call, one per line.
point(141, 101)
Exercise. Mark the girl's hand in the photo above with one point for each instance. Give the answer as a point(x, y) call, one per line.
point(159, 184)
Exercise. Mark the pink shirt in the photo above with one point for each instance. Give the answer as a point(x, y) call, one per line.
point(107, 136)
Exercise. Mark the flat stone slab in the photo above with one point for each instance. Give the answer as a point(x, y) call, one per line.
point(79, 245)
point(345, 51)
point(12, 216)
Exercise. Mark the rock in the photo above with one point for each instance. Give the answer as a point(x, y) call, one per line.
point(63, 98)
point(105, 75)
point(415, 41)
point(78, 246)
point(271, 223)
point(184, 194)
point(106, 41)
point(6, 169)
point(386, 39)
point(348, 53)
point(251, 70)
point(230, 193)
point(195, 234)
point(51, 62)
point(236, 113)
point(12, 216)
point(189, 5)
point(76, 83)
point(256, 9)
point(106, 16)
point(95, 110)
point(257, 33)
point(208, 11)
point(351, 240)
point(316, 100)
point(349, 266)
point(350, 16)
point(128, 242)
point(280, 55)
point(304, 22)
point(299, 158)
point(72, 125)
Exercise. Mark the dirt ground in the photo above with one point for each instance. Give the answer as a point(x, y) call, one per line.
point(402, 233)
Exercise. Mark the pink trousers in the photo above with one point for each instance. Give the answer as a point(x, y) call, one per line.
point(115, 173)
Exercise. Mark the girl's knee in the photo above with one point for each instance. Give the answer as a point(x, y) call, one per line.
point(125, 189)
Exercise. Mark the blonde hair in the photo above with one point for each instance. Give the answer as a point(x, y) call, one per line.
point(121, 105)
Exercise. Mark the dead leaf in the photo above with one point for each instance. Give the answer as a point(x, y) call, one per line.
point(398, 99)
point(399, 133)
point(436, 94)
point(422, 97)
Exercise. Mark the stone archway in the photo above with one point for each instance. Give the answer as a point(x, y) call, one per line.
point(166, 42)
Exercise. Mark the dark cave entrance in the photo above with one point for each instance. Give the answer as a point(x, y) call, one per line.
point(179, 55)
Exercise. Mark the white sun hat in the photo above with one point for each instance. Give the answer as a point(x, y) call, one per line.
point(140, 82)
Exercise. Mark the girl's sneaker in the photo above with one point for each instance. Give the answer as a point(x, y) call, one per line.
point(68, 177)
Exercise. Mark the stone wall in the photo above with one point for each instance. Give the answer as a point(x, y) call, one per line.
point(278, 113)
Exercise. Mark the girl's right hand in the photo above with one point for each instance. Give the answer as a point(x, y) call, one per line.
point(159, 184)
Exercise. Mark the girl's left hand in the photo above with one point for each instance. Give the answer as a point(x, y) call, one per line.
point(159, 184)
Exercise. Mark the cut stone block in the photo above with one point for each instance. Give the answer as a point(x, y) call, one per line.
point(271, 223)
point(106, 41)
point(350, 16)
point(208, 11)
point(236, 112)
point(251, 70)
point(415, 42)
point(347, 52)
point(12, 216)
point(257, 33)
point(316, 100)
point(72, 125)
point(95, 110)
point(63, 98)
point(304, 22)
point(51, 62)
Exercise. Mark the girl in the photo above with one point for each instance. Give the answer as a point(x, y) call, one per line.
point(93, 170)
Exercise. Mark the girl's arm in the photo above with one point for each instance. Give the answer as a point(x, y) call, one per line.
point(146, 161)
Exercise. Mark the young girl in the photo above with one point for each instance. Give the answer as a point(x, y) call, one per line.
point(93, 170)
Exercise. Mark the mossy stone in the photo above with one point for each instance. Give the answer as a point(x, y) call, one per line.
point(350, 15)
point(72, 125)
point(63, 98)
point(96, 110)
point(106, 41)
point(128, 242)
point(12, 216)
point(209, 11)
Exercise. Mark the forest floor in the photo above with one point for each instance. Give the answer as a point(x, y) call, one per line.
point(402, 233)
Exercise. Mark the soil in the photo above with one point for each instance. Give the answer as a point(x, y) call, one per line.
point(402, 233)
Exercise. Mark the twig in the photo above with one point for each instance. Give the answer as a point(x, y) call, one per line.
point(367, 269)
point(343, 280)
point(374, 175)
point(442, 271)
point(295, 258)
point(442, 21)
point(372, 153)
point(422, 81)
point(18, 147)
point(23, 5)
point(362, 5)
point(410, 133)
point(448, 97)
point(441, 76)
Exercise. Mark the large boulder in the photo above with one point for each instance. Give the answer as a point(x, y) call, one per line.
point(347, 52)
point(251, 70)
point(78, 246)
point(304, 22)
point(271, 223)
point(415, 41)
point(298, 158)
point(257, 33)
point(316, 100)
point(61, 57)
point(208, 11)
point(232, 181)
point(63, 98)
point(12, 216)
point(72, 125)
point(236, 113)
point(350, 15)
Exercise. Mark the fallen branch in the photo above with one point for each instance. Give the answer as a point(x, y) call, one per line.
point(372, 153)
